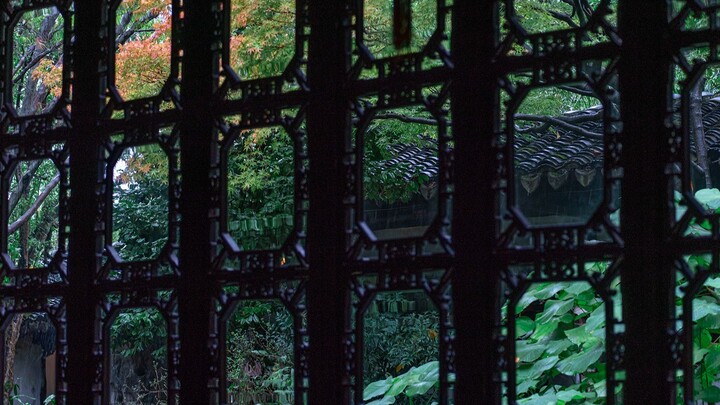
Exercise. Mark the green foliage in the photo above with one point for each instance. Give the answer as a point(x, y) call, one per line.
point(396, 341)
point(140, 203)
point(34, 243)
point(262, 37)
point(12, 393)
point(705, 308)
point(552, 101)
point(260, 354)
point(137, 330)
point(39, 31)
point(379, 26)
point(261, 187)
point(560, 331)
point(541, 16)
point(415, 385)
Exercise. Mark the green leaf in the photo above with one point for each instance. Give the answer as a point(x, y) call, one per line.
point(527, 351)
point(377, 388)
point(580, 362)
point(712, 360)
point(704, 338)
point(709, 394)
point(383, 401)
point(398, 387)
point(569, 395)
point(419, 388)
point(713, 282)
point(577, 288)
point(549, 398)
point(709, 198)
point(541, 366)
point(554, 309)
point(704, 306)
point(547, 290)
point(524, 325)
point(557, 346)
point(596, 319)
point(699, 354)
point(710, 321)
point(524, 386)
point(544, 329)
point(579, 335)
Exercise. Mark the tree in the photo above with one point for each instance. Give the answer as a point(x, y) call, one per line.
point(261, 160)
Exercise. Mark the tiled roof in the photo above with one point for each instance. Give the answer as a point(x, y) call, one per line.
point(549, 147)
point(423, 160)
point(555, 152)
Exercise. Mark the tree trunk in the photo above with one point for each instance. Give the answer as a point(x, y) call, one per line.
point(12, 334)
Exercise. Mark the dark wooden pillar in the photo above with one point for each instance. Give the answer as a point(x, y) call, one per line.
point(476, 277)
point(85, 173)
point(646, 278)
point(328, 123)
point(199, 81)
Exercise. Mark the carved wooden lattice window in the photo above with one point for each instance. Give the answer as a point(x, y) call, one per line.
point(472, 242)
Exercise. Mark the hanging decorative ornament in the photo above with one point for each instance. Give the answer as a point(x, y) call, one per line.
point(585, 176)
point(402, 24)
point(530, 182)
point(557, 179)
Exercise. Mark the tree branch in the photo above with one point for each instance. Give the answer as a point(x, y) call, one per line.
point(36, 59)
point(563, 17)
point(559, 123)
point(23, 185)
point(35, 205)
point(131, 29)
point(578, 90)
point(405, 118)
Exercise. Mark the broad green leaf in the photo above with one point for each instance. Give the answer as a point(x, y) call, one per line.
point(709, 394)
point(377, 388)
point(555, 347)
point(577, 288)
point(541, 366)
point(554, 308)
point(596, 319)
point(704, 306)
point(601, 388)
point(419, 388)
point(579, 335)
point(580, 362)
point(524, 386)
point(549, 398)
point(710, 321)
point(569, 395)
point(713, 282)
point(544, 329)
point(524, 302)
point(567, 318)
point(546, 291)
point(698, 354)
point(524, 325)
point(383, 401)
point(712, 360)
point(709, 198)
point(398, 387)
point(528, 351)
point(704, 338)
